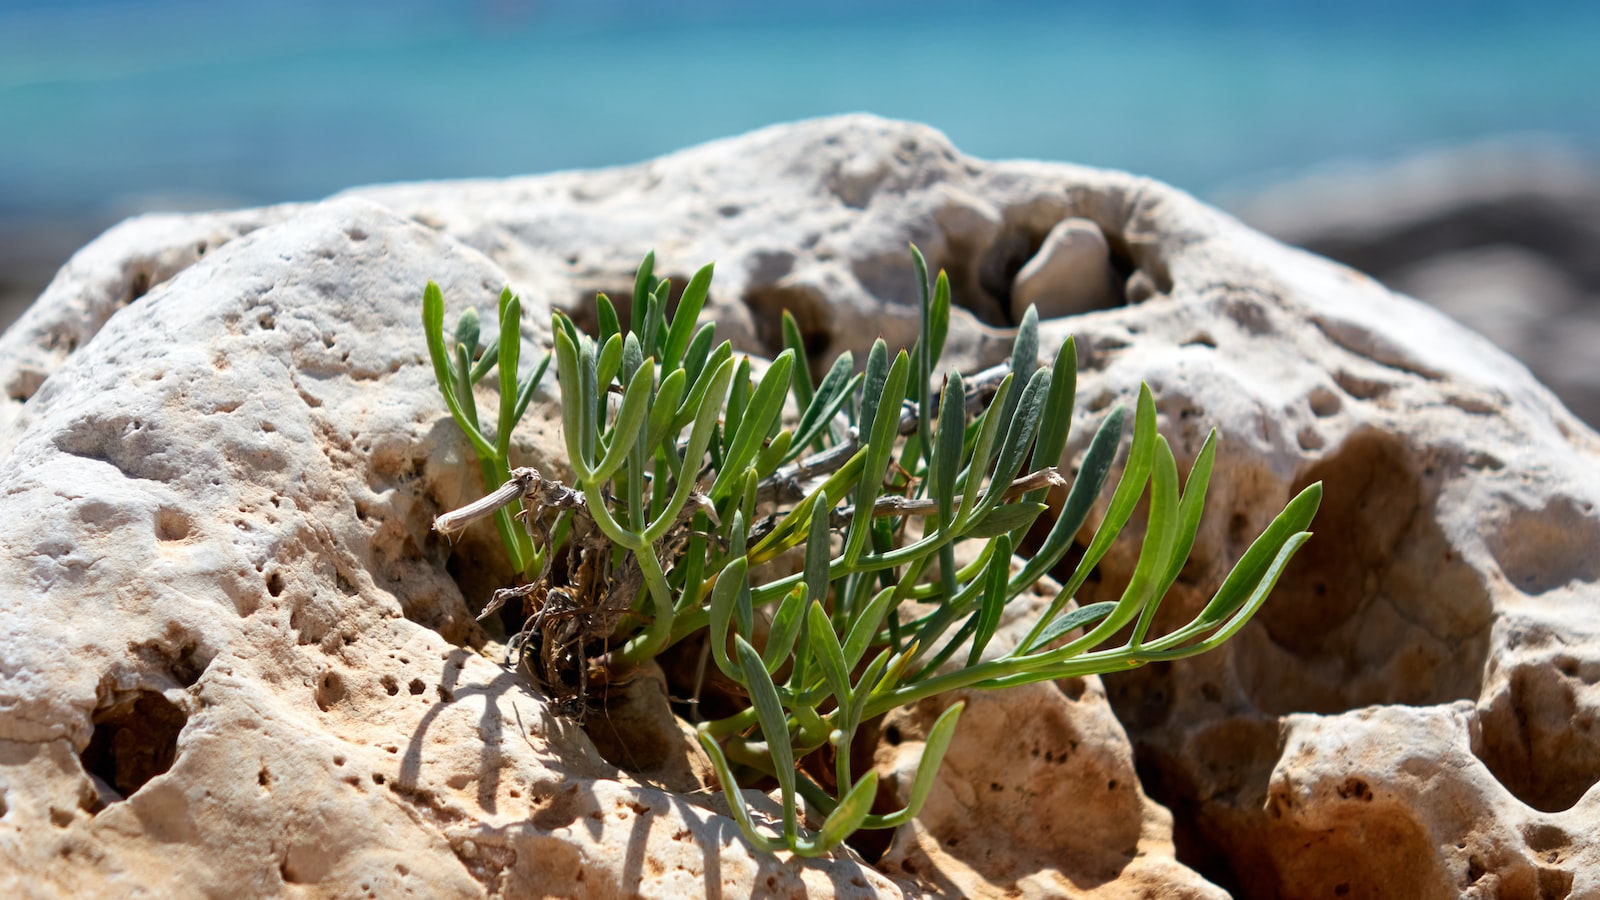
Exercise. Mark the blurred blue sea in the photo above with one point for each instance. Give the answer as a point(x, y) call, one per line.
point(110, 106)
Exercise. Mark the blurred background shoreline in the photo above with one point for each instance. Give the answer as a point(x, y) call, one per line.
point(1449, 148)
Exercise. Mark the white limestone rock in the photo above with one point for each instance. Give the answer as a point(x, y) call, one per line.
point(234, 661)
point(217, 582)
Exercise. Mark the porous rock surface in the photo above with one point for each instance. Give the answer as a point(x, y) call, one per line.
point(234, 659)
point(1500, 234)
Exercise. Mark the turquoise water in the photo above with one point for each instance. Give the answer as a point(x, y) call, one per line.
point(107, 104)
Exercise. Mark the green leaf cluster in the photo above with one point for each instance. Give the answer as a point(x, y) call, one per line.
point(461, 364)
point(696, 470)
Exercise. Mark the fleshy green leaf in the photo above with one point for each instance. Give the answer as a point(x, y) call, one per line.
point(684, 318)
point(1159, 536)
point(1006, 518)
point(1077, 618)
point(994, 598)
point(880, 449)
point(609, 362)
point(1080, 500)
point(774, 453)
point(653, 328)
point(1258, 595)
point(769, 712)
point(785, 628)
point(1056, 423)
point(694, 358)
point(463, 376)
point(872, 389)
point(723, 597)
point(705, 425)
point(433, 331)
point(590, 397)
point(467, 327)
point(825, 404)
point(765, 405)
point(1025, 349)
point(828, 654)
point(792, 340)
point(847, 817)
point(632, 357)
point(939, 737)
point(629, 419)
point(862, 692)
point(818, 549)
point(1161, 529)
point(866, 626)
point(736, 802)
point(571, 407)
point(922, 362)
point(644, 281)
point(947, 447)
point(1247, 573)
point(690, 409)
point(939, 320)
point(510, 358)
point(1190, 510)
point(738, 403)
point(982, 451)
point(1018, 439)
point(491, 355)
point(1129, 488)
point(665, 406)
point(606, 313)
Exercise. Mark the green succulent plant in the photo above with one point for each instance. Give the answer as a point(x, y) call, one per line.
point(693, 490)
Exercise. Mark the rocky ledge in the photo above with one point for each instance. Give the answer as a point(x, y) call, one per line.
point(235, 660)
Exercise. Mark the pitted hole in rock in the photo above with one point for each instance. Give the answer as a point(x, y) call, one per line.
point(24, 384)
point(1547, 839)
point(1378, 607)
point(330, 690)
point(188, 664)
point(138, 285)
point(1545, 549)
point(175, 660)
point(983, 278)
point(811, 315)
point(1360, 387)
point(135, 739)
point(1324, 402)
point(1355, 789)
point(172, 524)
point(1541, 737)
point(1076, 269)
